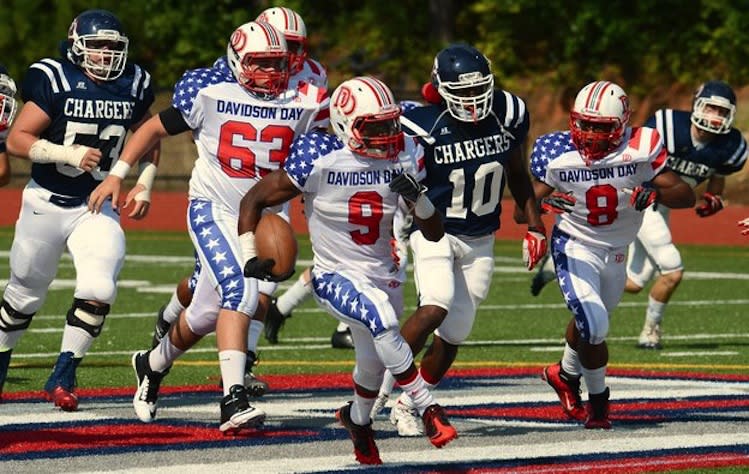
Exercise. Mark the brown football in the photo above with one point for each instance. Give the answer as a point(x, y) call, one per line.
point(275, 239)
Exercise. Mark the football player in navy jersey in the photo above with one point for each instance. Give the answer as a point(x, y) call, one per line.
point(77, 112)
point(7, 113)
point(702, 146)
point(474, 140)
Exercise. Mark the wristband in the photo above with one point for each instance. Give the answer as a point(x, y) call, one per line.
point(120, 169)
point(44, 151)
point(424, 209)
point(145, 178)
point(247, 246)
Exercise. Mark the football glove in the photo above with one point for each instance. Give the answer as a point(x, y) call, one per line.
point(713, 203)
point(557, 203)
point(534, 246)
point(745, 225)
point(259, 269)
point(643, 196)
point(406, 185)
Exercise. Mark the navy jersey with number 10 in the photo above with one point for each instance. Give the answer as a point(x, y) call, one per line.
point(84, 112)
point(464, 162)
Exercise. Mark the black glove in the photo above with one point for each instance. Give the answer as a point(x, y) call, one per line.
point(557, 203)
point(406, 185)
point(643, 196)
point(260, 269)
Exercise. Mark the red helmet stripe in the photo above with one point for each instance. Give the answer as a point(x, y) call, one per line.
point(271, 34)
point(379, 89)
point(596, 94)
point(289, 19)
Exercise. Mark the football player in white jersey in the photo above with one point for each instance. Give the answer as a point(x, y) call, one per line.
point(77, 111)
point(302, 70)
point(599, 176)
point(8, 107)
point(351, 185)
point(243, 122)
point(703, 147)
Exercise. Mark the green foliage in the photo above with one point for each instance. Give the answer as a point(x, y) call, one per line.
point(643, 45)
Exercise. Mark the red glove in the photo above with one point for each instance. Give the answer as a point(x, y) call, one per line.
point(534, 246)
point(558, 203)
point(713, 204)
point(430, 94)
point(643, 196)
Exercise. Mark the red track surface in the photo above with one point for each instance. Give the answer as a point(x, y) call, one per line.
point(169, 209)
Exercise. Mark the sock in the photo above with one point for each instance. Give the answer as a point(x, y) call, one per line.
point(253, 335)
point(297, 294)
point(571, 361)
point(8, 340)
point(163, 356)
point(360, 409)
point(76, 340)
point(342, 327)
point(655, 310)
point(173, 308)
point(388, 382)
point(418, 393)
point(595, 379)
point(232, 364)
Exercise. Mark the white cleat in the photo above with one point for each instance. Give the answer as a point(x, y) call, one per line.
point(147, 393)
point(650, 337)
point(407, 420)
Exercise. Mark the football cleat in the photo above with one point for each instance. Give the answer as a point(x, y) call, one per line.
point(568, 390)
point(437, 427)
point(274, 321)
point(60, 387)
point(650, 337)
point(365, 449)
point(147, 393)
point(406, 420)
point(342, 339)
point(160, 329)
point(236, 412)
point(379, 404)
point(255, 387)
point(4, 364)
point(598, 411)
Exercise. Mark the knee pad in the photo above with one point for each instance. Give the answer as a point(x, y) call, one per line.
point(668, 259)
point(87, 316)
point(12, 320)
point(393, 351)
point(596, 330)
point(458, 324)
point(100, 288)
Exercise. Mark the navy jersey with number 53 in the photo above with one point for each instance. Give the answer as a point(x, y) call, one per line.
point(84, 112)
point(465, 161)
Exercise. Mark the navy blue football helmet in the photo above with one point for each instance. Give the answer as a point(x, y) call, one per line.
point(97, 44)
point(709, 99)
point(7, 100)
point(463, 78)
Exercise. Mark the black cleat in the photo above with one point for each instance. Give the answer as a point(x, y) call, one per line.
point(274, 321)
point(160, 329)
point(342, 339)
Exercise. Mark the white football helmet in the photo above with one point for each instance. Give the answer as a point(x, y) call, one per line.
point(288, 22)
point(8, 105)
point(599, 119)
point(97, 44)
point(259, 59)
point(365, 116)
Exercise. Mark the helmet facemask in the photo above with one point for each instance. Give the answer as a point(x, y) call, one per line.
point(470, 98)
point(378, 135)
point(297, 53)
point(595, 137)
point(102, 55)
point(8, 104)
point(264, 74)
point(713, 114)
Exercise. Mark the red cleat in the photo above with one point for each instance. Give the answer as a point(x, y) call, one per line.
point(568, 390)
point(365, 449)
point(437, 427)
point(66, 400)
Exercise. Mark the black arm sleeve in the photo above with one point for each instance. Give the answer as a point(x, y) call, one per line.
point(173, 121)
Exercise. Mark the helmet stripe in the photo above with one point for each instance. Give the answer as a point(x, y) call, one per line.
point(596, 95)
point(380, 91)
point(270, 33)
point(289, 19)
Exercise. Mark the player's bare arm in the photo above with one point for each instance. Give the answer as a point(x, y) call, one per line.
point(24, 141)
point(540, 191)
point(673, 192)
point(4, 169)
point(144, 139)
point(141, 192)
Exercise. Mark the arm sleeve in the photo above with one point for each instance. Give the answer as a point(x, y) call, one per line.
point(173, 121)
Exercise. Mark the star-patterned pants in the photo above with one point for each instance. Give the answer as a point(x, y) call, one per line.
point(592, 282)
point(221, 284)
